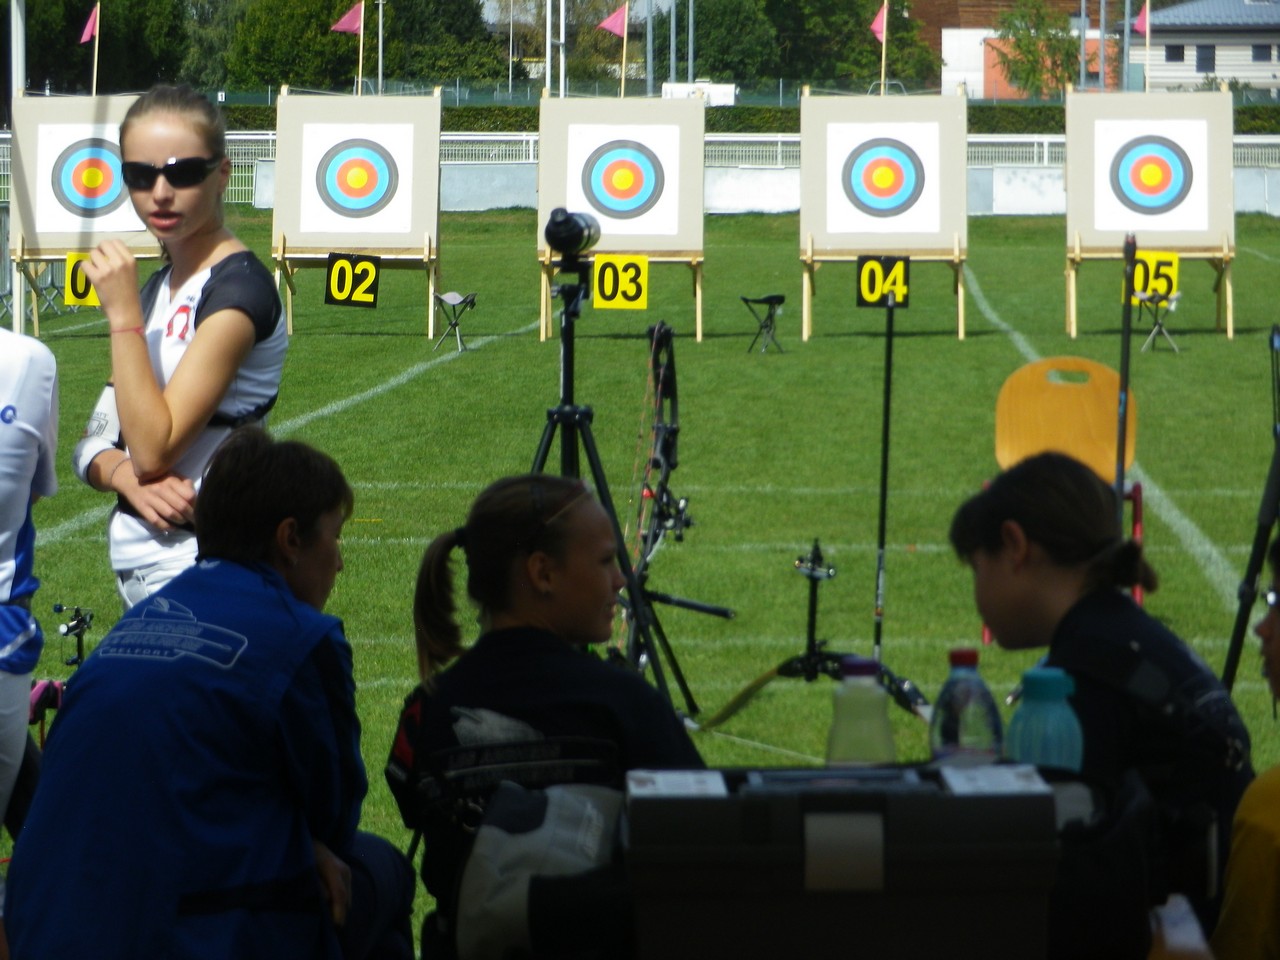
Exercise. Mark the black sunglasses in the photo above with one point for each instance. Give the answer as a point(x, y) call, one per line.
point(187, 172)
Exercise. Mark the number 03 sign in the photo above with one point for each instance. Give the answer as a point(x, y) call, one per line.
point(621, 281)
point(352, 281)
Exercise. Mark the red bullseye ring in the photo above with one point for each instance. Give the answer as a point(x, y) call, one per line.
point(1151, 175)
point(623, 179)
point(93, 178)
point(882, 178)
point(357, 178)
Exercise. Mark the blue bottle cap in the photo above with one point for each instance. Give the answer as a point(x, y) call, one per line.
point(1047, 683)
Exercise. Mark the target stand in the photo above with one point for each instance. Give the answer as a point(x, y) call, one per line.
point(1219, 260)
point(289, 262)
point(882, 176)
point(547, 267)
point(357, 177)
point(1155, 166)
point(812, 261)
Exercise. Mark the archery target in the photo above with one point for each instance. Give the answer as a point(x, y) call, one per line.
point(1151, 179)
point(883, 178)
point(626, 176)
point(622, 178)
point(80, 189)
point(86, 178)
point(356, 178)
point(361, 175)
point(1151, 174)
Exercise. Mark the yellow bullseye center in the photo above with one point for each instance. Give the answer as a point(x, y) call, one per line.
point(1150, 174)
point(882, 177)
point(623, 179)
point(357, 178)
point(93, 178)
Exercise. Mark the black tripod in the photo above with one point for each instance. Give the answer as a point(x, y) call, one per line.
point(1268, 515)
point(574, 423)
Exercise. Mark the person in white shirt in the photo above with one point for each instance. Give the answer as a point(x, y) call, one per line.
point(198, 352)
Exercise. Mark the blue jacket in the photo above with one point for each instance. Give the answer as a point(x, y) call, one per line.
point(202, 746)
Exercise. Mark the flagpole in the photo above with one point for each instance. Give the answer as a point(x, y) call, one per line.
point(360, 55)
point(884, 44)
point(1146, 60)
point(97, 32)
point(626, 15)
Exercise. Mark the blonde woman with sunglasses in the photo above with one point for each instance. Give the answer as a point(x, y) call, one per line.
point(197, 352)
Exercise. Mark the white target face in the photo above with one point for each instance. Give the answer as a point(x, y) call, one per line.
point(356, 178)
point(1153, 175)
point(626, 176)
point(883, 178)
point(78, 184)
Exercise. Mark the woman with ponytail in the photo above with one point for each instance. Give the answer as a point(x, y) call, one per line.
point(541, 568)
point(1051, 567)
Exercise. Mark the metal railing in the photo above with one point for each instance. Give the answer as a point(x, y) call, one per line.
point(764, 150)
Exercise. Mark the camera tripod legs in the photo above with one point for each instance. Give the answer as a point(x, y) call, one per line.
point(574, 424)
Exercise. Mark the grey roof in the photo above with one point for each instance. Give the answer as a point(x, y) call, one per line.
point(1217, 15)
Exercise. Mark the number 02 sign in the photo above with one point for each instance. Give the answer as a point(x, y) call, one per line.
point(352, 281)
point(878, 277)
point(621, 281)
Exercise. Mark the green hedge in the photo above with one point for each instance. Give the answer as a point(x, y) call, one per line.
point(983, 118)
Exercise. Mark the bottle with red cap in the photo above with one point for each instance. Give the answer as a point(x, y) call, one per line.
point(965, 727)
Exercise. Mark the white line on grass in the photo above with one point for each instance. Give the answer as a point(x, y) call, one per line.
point(1260, 255)
point(1213, 564)
point(70, 527)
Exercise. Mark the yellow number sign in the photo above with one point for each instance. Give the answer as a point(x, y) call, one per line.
point(78, 291)
point(878, 277)
point(1155, 273)
point(621, 281)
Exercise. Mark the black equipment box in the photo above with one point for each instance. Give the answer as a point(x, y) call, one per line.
point(882, 862)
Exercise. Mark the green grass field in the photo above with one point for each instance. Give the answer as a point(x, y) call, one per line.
point(774, 451)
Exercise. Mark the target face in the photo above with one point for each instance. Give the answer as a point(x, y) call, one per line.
point(1151, 175)
point(86, 178)
point(883, 177)
point(357, 178)
point(623, 179)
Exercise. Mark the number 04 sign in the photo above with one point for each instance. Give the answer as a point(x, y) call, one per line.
point(878, 277)
point(621, 281)
point(351, 281)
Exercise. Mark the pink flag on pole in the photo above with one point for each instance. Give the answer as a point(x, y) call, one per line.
point(1140, 25)
point(616, 22)
point(877, 25)
point(351, 20)
point(90, 26)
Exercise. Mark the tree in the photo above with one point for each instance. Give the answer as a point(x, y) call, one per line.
point(830, 40)
point(1037, 50)
point(734, 42)
point(212, 31)
point(289, 41)
point(435, 39)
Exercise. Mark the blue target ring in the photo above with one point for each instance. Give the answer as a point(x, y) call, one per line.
point(883, 177)
point(87, 180)
point(622, 179)
point(357, 178)
point(1151, 175)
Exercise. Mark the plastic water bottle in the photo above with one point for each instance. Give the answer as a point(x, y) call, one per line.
point(965, 727)
point(860, 730)
point(1045, 730)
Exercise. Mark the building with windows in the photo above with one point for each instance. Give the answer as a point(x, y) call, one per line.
point(1195, 43)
